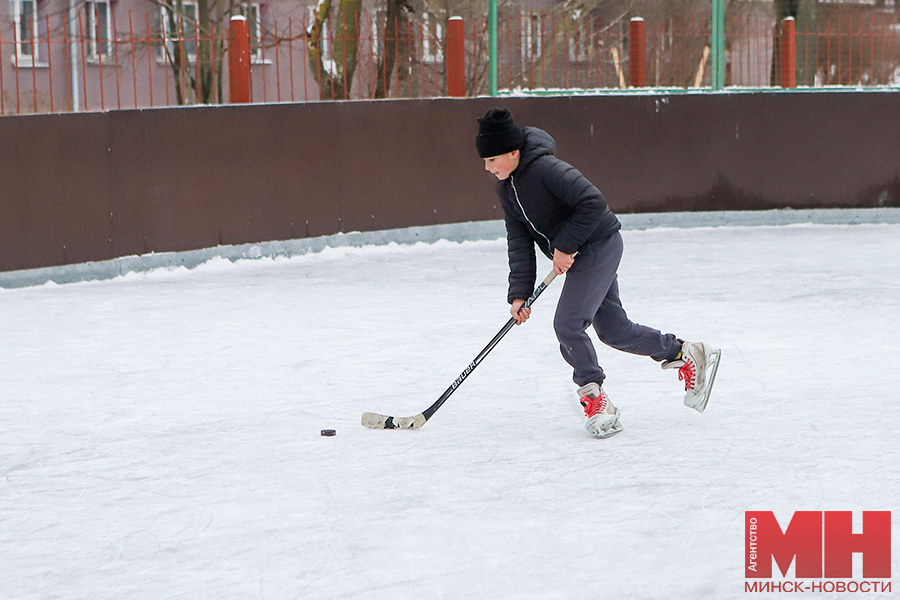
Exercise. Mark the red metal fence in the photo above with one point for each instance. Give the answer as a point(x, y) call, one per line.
point(142, 64)
point(57, 66)
point(537, 51)
point(854, 50)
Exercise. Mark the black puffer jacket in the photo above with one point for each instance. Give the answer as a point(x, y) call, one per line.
point(548, 202)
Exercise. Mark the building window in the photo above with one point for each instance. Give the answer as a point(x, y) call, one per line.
point(578, 44)
point(376, 33)
point(325, 34)
point(534, 38)
point(99, 28)
point(432, 37)
point(253, 12)
point(25, 18)
point(179, 23)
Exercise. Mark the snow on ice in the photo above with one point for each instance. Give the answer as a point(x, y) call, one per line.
point(160, 432)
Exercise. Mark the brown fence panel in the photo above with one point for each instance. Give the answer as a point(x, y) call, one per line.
point(54, 190)
point(86, 187)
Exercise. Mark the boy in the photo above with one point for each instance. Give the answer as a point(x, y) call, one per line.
point(549, 203)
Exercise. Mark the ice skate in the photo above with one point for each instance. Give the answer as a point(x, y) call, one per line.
point(601, 418)
point(697, 368)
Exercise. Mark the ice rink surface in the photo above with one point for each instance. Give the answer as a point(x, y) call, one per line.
point(159, 432)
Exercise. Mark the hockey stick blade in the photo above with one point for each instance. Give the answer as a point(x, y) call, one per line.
point(376, 421)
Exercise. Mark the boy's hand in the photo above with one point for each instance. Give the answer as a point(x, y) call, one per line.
point(562, 262)
point(519, 314)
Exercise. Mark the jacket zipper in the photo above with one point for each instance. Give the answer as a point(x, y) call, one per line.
point(512, 182)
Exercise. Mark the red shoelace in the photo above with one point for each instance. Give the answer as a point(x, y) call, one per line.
point(687, 374)
point(593, 406)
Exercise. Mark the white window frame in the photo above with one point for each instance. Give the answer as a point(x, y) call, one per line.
point(326, 27)
point(253, 12)
point(534, 39)
point(432, 48)
point(20, 58)
point(579, 40)
point(92, 8)
point(377, 32)
point(188, 26)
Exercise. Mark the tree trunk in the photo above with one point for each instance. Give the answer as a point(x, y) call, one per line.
point(334, 73)
point(205, 60)
point(174, 17)
point(184, 30)
point(395, 47)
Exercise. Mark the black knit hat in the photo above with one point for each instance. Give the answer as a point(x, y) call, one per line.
point(498, 133)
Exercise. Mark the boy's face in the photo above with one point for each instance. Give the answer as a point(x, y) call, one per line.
point(501, 166)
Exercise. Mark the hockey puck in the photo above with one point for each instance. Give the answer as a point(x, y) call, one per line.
point(328, 432)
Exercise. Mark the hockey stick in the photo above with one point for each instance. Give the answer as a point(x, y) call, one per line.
point(376, 421)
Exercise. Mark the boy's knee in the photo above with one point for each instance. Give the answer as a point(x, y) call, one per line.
point(567, 326)
point(614, 334)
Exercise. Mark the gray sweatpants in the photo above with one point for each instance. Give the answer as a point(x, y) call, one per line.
point(590, 296)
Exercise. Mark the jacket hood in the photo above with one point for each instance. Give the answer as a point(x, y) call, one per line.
point(537, 143)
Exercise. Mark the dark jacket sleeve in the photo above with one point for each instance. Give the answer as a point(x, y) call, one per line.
point(568, 184)
point(522, 261)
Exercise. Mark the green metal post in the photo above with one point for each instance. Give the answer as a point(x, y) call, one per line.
point(718, 45)
point(492, 47)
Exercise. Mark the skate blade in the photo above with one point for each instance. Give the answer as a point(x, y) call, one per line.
point(604, 432)
point(699, 402)
point(602, 435)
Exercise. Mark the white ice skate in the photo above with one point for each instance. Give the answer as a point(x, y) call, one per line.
point(601, 418)
point(697, 368)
